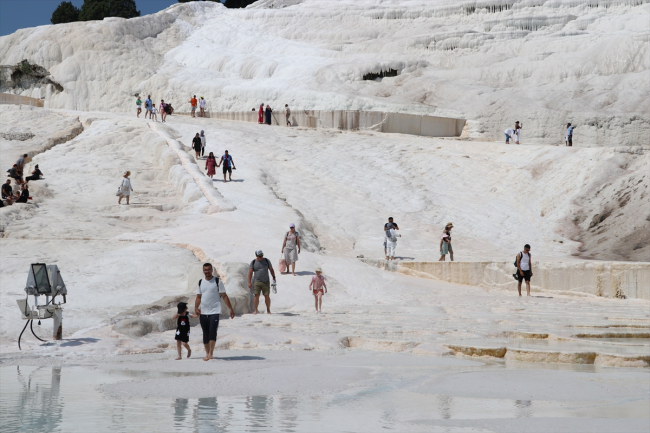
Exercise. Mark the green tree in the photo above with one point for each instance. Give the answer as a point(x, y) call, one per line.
point(235, 4)
point(66, 12)
point(100, 9)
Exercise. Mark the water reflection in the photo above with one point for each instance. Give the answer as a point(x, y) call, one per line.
point(524, 409)
point(445, 404)
point(207, 415)
point(38, 405)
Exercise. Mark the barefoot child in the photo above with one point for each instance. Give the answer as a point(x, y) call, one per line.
point(316, 286)
point(182, 329)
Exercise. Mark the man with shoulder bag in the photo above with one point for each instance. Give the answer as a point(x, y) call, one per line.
point(260, 284)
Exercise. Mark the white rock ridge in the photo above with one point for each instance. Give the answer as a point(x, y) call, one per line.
point(544, 63)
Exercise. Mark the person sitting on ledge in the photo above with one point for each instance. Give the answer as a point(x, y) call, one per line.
point(36, 174)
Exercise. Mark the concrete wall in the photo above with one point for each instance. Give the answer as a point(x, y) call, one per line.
point(8, 98)
point(606, 279)
point(412, 124)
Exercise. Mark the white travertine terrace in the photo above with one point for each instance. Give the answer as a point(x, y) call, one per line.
point(544, 63)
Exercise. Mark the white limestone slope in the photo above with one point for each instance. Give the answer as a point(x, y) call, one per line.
point(544, 63)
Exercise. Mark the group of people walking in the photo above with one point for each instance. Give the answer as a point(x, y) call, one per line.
point(211, 164)
point(9, 196)
point(151, 112)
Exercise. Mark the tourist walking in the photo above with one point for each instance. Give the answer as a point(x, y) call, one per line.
point(148, 106)
point(268, 112)
point(260, 115)
point(154, 113)
point(446, 243)
point(209, 294)
point(228, 165)
point(193, 103)
point(138, 104)
point(568, 139)
point(291, 248)
point(163, 112)
point(36, 174)
point(524, 265)
point(391, 242)
point(202, 104)
point(258, 280)
point(287, 114)
point(125, 188)
point(196, 145)
point(210, 164)
point(389, 225)
point(318, 288)
point(517, 131)
point(182, 336)
point(203, 141)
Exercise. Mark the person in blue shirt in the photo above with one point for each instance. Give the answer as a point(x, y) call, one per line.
point(228, 165)
point(568, 140)
point(148, 105)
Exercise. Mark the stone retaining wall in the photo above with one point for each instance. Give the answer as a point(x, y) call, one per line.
point(429, 126)
point(606, 279)
point(8, 98)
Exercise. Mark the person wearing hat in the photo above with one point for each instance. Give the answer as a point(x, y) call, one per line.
point(445, 243)
point(260, 284)
point(291, 248)
point(182, 337)
point(209, 294)
point(316, 286)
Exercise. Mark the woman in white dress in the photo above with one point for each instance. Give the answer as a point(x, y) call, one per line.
point(291, 248)
point(125, 188)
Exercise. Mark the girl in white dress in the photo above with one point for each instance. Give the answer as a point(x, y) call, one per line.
point(125, 188)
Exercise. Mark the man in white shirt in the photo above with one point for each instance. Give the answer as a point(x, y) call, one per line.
point(207, 306)
point(509, 134)
point(202, 104)
point(524, 268)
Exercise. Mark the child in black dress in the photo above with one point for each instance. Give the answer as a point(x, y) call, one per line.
point(183, 329)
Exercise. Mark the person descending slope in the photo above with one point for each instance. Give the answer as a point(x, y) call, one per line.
point(391, 242)
point(318, 288)
point(138, 104)
point(291, 248)
point(203, 141)
point(148, 106)
point(389, 225)
point(228, 165)
point(258, 280)
point(196, 145)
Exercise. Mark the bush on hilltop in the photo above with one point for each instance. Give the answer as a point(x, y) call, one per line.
point(66, 12)
point(100, 9)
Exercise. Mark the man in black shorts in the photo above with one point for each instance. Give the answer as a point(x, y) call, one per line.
point(228, 165)
point(389, 225)
point(524, 268)
point(209, 293)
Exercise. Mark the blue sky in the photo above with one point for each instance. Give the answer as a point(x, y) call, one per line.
point(18, 14)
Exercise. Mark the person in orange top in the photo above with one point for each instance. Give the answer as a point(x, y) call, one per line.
point(193, 103)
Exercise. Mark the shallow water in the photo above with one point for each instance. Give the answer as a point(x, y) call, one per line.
point(70, 399)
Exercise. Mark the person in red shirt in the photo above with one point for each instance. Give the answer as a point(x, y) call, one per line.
point(193, 103)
